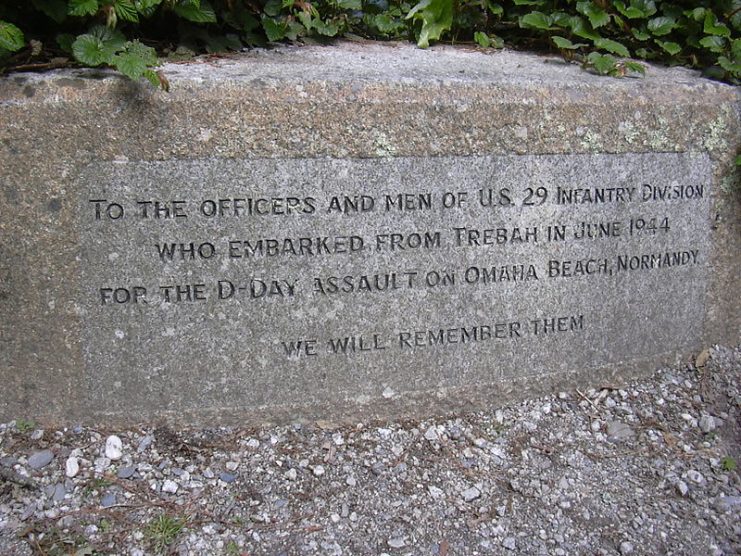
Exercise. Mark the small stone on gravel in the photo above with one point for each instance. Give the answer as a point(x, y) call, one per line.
point(71, 467)
point(471, 494)
point(126, 472)
point(707, 423)
point(227, 477)
point(626, 548)
point(39, 460)
point(169, 486)
point(618, 431)
point(113, 447)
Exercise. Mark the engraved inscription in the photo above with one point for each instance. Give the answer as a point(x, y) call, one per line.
point(511, 262)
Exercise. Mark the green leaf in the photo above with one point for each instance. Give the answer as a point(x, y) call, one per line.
point(91, 51)
point(11, 38)
point(536, 20)
point(612, 46)
point(602, 63)
point(713, 43)
point(566, 44)
point(596, 15)
point(387, 24)
point(482, 39)
point(698, 14)
point(640, 34)
point(712, 27)
point(733, 68)
point(350, 5)
point(529, 2)
point(273, 7)
point(635, 67)
point(55, 9)
point(197, 14)
point(495, 9)
point(82, 7)
point(146, 7)
point(112, 39)
point(134, 59)
point(126, 10)
point(436, 17)
point(582, 29)
point(326, 28)
point(637, 9)
point(670, 47)
point(64, 41)
point(660, 26)
point(273, 30)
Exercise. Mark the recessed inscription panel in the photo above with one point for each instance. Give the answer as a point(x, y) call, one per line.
point(278, 282)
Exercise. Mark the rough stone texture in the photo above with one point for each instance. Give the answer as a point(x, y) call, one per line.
point(349, 120)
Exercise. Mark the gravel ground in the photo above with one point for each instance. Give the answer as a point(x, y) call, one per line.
point(639, 468)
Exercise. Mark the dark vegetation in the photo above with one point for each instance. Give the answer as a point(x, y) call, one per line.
point(605, 36)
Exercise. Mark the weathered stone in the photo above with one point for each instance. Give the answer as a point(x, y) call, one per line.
point(299, 233)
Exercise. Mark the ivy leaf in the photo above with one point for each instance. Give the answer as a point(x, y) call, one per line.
point(713, 43)
point(272, 8)
point(566, 44)
point(602, 63)
point(635, 67)
point(698, 14)
point(536, 20)
point(495, 9)
point(712, 27)
point(134, 60)
point(146, 7)
point(113, 39)
point(596, 15)
point(202, 13)
point(637, 9)
point(612, 46)
point(273, 30)
point(482, 39)
point(529, 2)
point(660, 26)
point(733, 68)
point(640, 34)
point(582, 29)
point(436, 16)
point(126, 10)
point(11, 38)
point(387, 24)
point(55, 9)
point(82, 7)
point(671, 47)
point(91, 50)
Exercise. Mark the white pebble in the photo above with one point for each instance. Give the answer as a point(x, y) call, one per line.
point(318, 470)
point(169, 486)
point(113, 447)
point(72, 467)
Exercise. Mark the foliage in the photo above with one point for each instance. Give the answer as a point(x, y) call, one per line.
point(728, 464)
point(163, 530)
point(25, 425)
point(129, 34)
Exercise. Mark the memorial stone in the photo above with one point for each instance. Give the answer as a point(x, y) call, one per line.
point(357, 232)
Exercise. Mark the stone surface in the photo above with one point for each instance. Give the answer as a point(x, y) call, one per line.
point(39, 460)
point(305, 233)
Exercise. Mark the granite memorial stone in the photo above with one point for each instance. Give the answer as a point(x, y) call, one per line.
point(357, 232)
